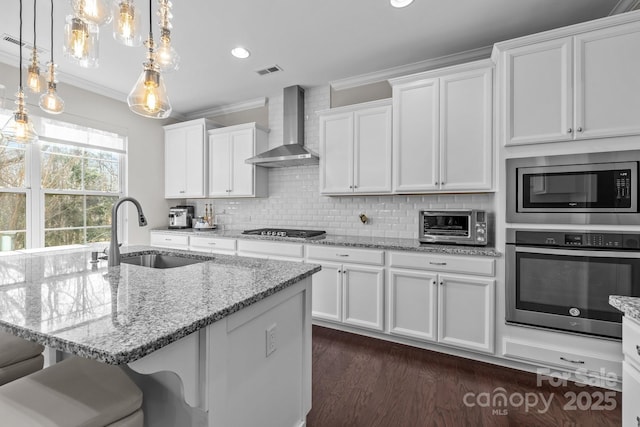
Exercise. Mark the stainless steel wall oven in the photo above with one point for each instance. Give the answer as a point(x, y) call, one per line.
point(562, 279)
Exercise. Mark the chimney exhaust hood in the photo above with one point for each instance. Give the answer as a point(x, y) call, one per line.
point(292, 152)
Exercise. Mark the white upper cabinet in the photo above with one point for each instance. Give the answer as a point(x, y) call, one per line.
point(442, 130)
point(355, 149)
point(229, 175)
point(570, 84)
point(416, 136)
point(185, 157)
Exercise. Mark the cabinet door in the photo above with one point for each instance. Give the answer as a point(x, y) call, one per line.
point(630, 395)
point(362, 299)
point(195, 171)
point(607, 83)
point(538, 91)
point(466, 116)
point(336, 154)
point(219, 164)
point(242, 174)
point(466, 312)
point(415, 136)
point(372, 151)
point(413, 304)
point(327, 292)
point(175, 160)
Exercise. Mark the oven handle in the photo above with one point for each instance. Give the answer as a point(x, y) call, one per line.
point(578, 252)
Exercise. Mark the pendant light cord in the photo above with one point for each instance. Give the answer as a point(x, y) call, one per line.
point(51, 31)
point(35, 46)
point(150, 22)
point(20, 56)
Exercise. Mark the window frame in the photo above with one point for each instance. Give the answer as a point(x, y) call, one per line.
point(35, 193)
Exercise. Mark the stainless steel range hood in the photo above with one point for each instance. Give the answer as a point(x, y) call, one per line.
point(292, 152)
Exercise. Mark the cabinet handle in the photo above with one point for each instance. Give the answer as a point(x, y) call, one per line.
point(638, 349)
point(436, 183)
point(570, 130)
point(344, 271)
point(442, 183)
point(638, 421)
point(437, 263)
point(339, 271)
point(168, 240)
point(342, 255)
point(441, 282)
point(575, 362)
point(212, 243)
point(355, 186)
point(433, 282)
point(579, 129)
point(351, 186)
point(182, 191)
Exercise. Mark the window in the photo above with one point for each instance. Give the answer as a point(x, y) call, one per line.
point(59, 191)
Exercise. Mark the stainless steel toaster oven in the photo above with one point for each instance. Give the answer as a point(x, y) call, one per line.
point(455, 226)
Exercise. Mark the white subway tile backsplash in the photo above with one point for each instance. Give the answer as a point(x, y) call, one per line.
point(295, 202)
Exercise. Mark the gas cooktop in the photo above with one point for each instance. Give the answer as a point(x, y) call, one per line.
point(284, 232)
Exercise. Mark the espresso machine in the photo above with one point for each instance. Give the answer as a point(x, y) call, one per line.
point(181, 216)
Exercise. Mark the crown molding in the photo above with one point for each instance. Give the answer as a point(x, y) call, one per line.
point(227, 109)
point(416, 67)
point(624, 6)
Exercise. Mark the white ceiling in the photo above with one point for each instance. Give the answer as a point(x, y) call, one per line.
point(314, 41)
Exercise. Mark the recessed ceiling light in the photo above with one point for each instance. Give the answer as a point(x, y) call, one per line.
point(240, 52)
point(401, 3)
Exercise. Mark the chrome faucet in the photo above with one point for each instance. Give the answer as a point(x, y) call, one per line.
point(114, 248)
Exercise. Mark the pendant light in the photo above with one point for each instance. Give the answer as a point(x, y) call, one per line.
point(34, 82)
point(96, 12)
point(19, 128)
point(166, 56)
point(149, 95)
point(81, 36)
point(126, 27)
point(50, 101)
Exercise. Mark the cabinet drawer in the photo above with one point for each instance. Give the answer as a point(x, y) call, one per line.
point(211, 243)
point(340, 254)
point(631, 340)
point(556, 356)
point(295, 250)
point(448, 263)
point(169, 240)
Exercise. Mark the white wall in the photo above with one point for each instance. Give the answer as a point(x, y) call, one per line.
point(295, 202)
point(145, 170)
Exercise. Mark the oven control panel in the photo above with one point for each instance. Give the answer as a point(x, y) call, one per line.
point(579, 239)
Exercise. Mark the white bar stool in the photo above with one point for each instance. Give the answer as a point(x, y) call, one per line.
point(18, 357)
point(75, 392)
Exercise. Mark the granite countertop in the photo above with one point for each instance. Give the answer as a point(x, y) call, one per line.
point(630, 306)
point(385, 243)
point(120, 314)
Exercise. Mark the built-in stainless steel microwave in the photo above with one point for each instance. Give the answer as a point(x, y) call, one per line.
point(455, 226)
point(597, 188)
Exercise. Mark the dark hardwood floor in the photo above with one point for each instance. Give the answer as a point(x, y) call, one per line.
point(365, 382)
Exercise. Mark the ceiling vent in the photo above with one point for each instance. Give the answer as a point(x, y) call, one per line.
point(269, 70)
point(15, 40)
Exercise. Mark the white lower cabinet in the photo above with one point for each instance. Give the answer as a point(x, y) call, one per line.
point(449, 309)
point(436, 306)
point(169, 240)
point(278, 251)
point(349, 293)
point(630, 372)
point(212, 245)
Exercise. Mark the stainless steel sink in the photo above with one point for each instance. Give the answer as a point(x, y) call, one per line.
point(161, 260)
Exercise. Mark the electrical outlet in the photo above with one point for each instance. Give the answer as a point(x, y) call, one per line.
point(271, 339)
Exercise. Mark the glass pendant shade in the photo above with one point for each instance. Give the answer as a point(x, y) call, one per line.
point(149, 95)
point(81, 42)
point(167, 58)
point(50, 101)
point(19, 128)
point(96, 12)
point(126, 27)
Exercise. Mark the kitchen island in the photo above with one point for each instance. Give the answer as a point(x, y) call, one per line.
point(230, 336)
